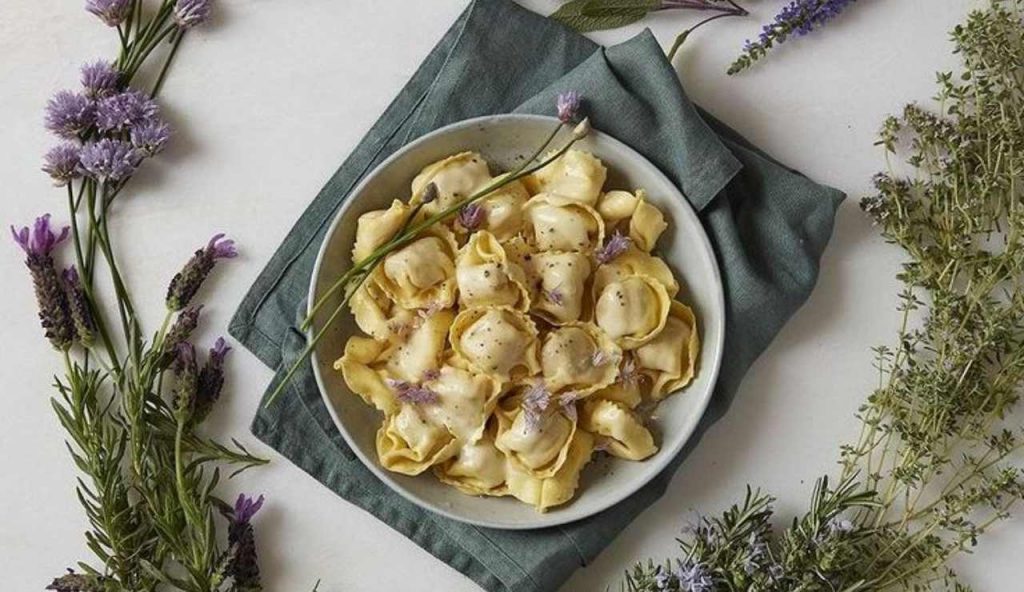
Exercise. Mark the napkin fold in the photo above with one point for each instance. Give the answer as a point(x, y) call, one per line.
point(768, 224)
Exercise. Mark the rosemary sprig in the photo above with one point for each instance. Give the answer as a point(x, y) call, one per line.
point(937, 462)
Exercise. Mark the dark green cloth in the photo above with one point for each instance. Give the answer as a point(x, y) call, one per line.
point(768, 225)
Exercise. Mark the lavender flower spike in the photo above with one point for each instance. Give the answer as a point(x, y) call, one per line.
point(187, 282)
point(186, 372)
point(151, 137)
point(191, 13)
point(242, 565)
point(211, 380)
point(111, 12)
point(62, 163)
point(100, 79)
point(613, 247)
point(78, 307)
point(471, 216)
point(568, 104)
point(69, 114)
point(54, 312)
point(109, 160)
point(180, 331)
point(125, 111)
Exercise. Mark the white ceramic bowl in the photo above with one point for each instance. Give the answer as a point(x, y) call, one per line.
point(504, 140)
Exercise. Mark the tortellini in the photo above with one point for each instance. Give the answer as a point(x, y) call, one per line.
point(505, 345)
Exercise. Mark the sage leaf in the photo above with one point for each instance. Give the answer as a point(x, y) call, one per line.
point(596, 15)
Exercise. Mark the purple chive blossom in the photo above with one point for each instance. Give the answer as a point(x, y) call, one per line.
point(567, 402)
point(555, 296)
point(629, 373)
point(100, 79)
point(186, 283)
point(210, 380)
point(431, 375)
point(600, 358)
point(241, 564)
point(125, 110)
point(109, 160)
point(186, 372)
point(471, 216)
point(78, 306)
point(410, 393)
point(54, 313)
point(535, 402)
point(693, 577)
point(151, 137)
point(568, 104)
point(613, 247)
point(69, 114)
point(191, 13)
point(62, 163)
point(111, 12)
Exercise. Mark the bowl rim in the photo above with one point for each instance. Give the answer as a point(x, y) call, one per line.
point(553, 518)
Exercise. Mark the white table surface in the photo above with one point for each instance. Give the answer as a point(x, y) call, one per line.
point(269, 100)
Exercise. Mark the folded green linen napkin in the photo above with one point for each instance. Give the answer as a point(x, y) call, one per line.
point(769, 226)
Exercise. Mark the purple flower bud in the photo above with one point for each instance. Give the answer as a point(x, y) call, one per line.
point(78, 307)
point(100, 79)
point(191, 13)
point(568, 104)
point(62, 163)
point(471, 216)
point(613, 247)
point(111, 12)
point(109, 160)
point(411, 393)
point(187, 282)
point(429, 193)
point(125, 110)
point(54, 313)
point(211, 380)
point(151, 137)
point(241, 563)
point(69, 114)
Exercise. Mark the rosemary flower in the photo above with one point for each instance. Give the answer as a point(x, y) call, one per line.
point(63, 163)
point(124, 111)
point(54, 313)
point(100, 79)
point(151, 137)
point(109, 160)
point(693, 577)
point(242, 564)
point(111, 12)
point(568, 105)
point(411, 393)
point(471, 216)
point(69, 114)
point(187, 374)
point(211, 380)
point(613, 247)
point(78, 307)
point(186, 283)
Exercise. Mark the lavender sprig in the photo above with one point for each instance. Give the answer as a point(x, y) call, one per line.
point(211, 380)
point(54, 311)
point(186, 283)
point(78, 307)
point(798, 18)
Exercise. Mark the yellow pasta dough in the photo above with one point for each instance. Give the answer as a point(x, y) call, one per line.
point(502, 348)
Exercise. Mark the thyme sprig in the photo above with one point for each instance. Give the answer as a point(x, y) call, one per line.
point(937, 462)
point(353, 278)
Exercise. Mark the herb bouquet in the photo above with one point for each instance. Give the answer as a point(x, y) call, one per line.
point(938, 459)
point(132, 403)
